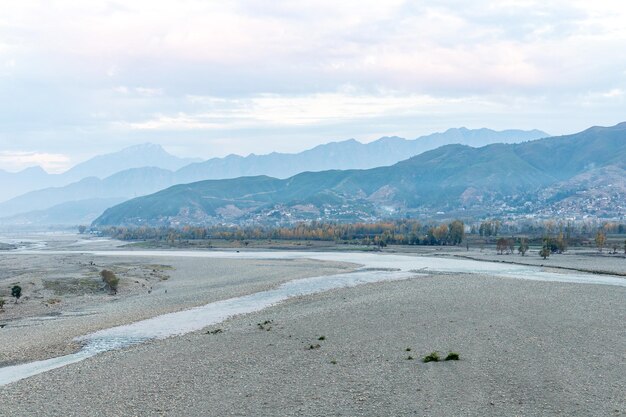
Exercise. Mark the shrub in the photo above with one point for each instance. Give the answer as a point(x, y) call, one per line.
point(16, 292)
point(452, 356)
point(433, 357)
point(110, 279)
point(266, 325)
point(1, 303)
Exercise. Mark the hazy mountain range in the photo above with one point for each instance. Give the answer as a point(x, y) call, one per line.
point(102, 166)
point(450, 179)
point(348, 154)
point(144, 169)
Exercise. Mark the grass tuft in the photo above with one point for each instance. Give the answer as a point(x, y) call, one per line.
point(266, 325)
point(432, 357)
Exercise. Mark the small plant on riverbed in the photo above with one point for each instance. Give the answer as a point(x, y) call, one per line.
point(452, 356)
point(321, 338)
point(16, 292)
point(432, 357)
point(1, 303)
point(409, 358)
point(111, 281)
point(216, 331)
point(317, 346)
point(266, 325)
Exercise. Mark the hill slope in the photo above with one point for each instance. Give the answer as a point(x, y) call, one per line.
point(453, 177)
point(93, 175)
point(349, 154)
point(101, 166)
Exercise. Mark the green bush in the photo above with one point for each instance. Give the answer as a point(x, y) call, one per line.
point(16, 292)
point(452, 356)
point(110, 279)
point(433, 357)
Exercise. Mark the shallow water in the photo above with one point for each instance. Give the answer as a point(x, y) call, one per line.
point(194, 319)
point(399, 262)
point(376, 268)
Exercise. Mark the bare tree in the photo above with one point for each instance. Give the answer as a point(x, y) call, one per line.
point(523, 246)
point(600, 240)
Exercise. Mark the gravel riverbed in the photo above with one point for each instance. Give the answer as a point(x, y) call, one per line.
point(527, 348)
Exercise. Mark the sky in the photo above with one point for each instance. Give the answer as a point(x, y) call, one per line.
point(208, 78)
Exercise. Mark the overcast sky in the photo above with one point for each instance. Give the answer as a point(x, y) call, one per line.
point(208, 78)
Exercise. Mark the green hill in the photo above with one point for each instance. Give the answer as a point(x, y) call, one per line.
point(453, 177)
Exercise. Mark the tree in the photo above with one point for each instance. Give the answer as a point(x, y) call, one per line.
point(81, 229)
point(561, 243)
point(545, 250)
point(502, 244)
point(523, 246)
point(110, 279)
point(496, 227)
point(456, 232)
point(16, 292)
point(485, 229)
point(600, 240)
point(511, 243)
point(440, 233)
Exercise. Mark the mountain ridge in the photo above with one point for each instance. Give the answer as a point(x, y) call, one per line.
point(36, 178)
point(342, 154)
point(451, 177)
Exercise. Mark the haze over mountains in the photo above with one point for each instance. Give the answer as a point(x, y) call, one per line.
point(144, 169)
point(102, 166)
point(548, 174)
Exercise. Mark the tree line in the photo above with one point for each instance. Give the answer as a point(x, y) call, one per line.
point(401, 232)
point(555, 236)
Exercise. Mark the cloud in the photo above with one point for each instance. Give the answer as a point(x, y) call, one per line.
point(431, 46)
point(139, 91)
point(81, 76)
point(317, 109)
point(16, 160)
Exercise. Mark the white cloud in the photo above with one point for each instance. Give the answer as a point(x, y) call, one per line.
point(17, 160)
point(614, 93)
point(318, 109)
point(78, 71)
point(139, 91)
point(504, 44)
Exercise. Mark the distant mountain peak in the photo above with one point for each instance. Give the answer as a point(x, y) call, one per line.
point(345, 154)
point(455, 178)
point(135, 156)
point(34, 170)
